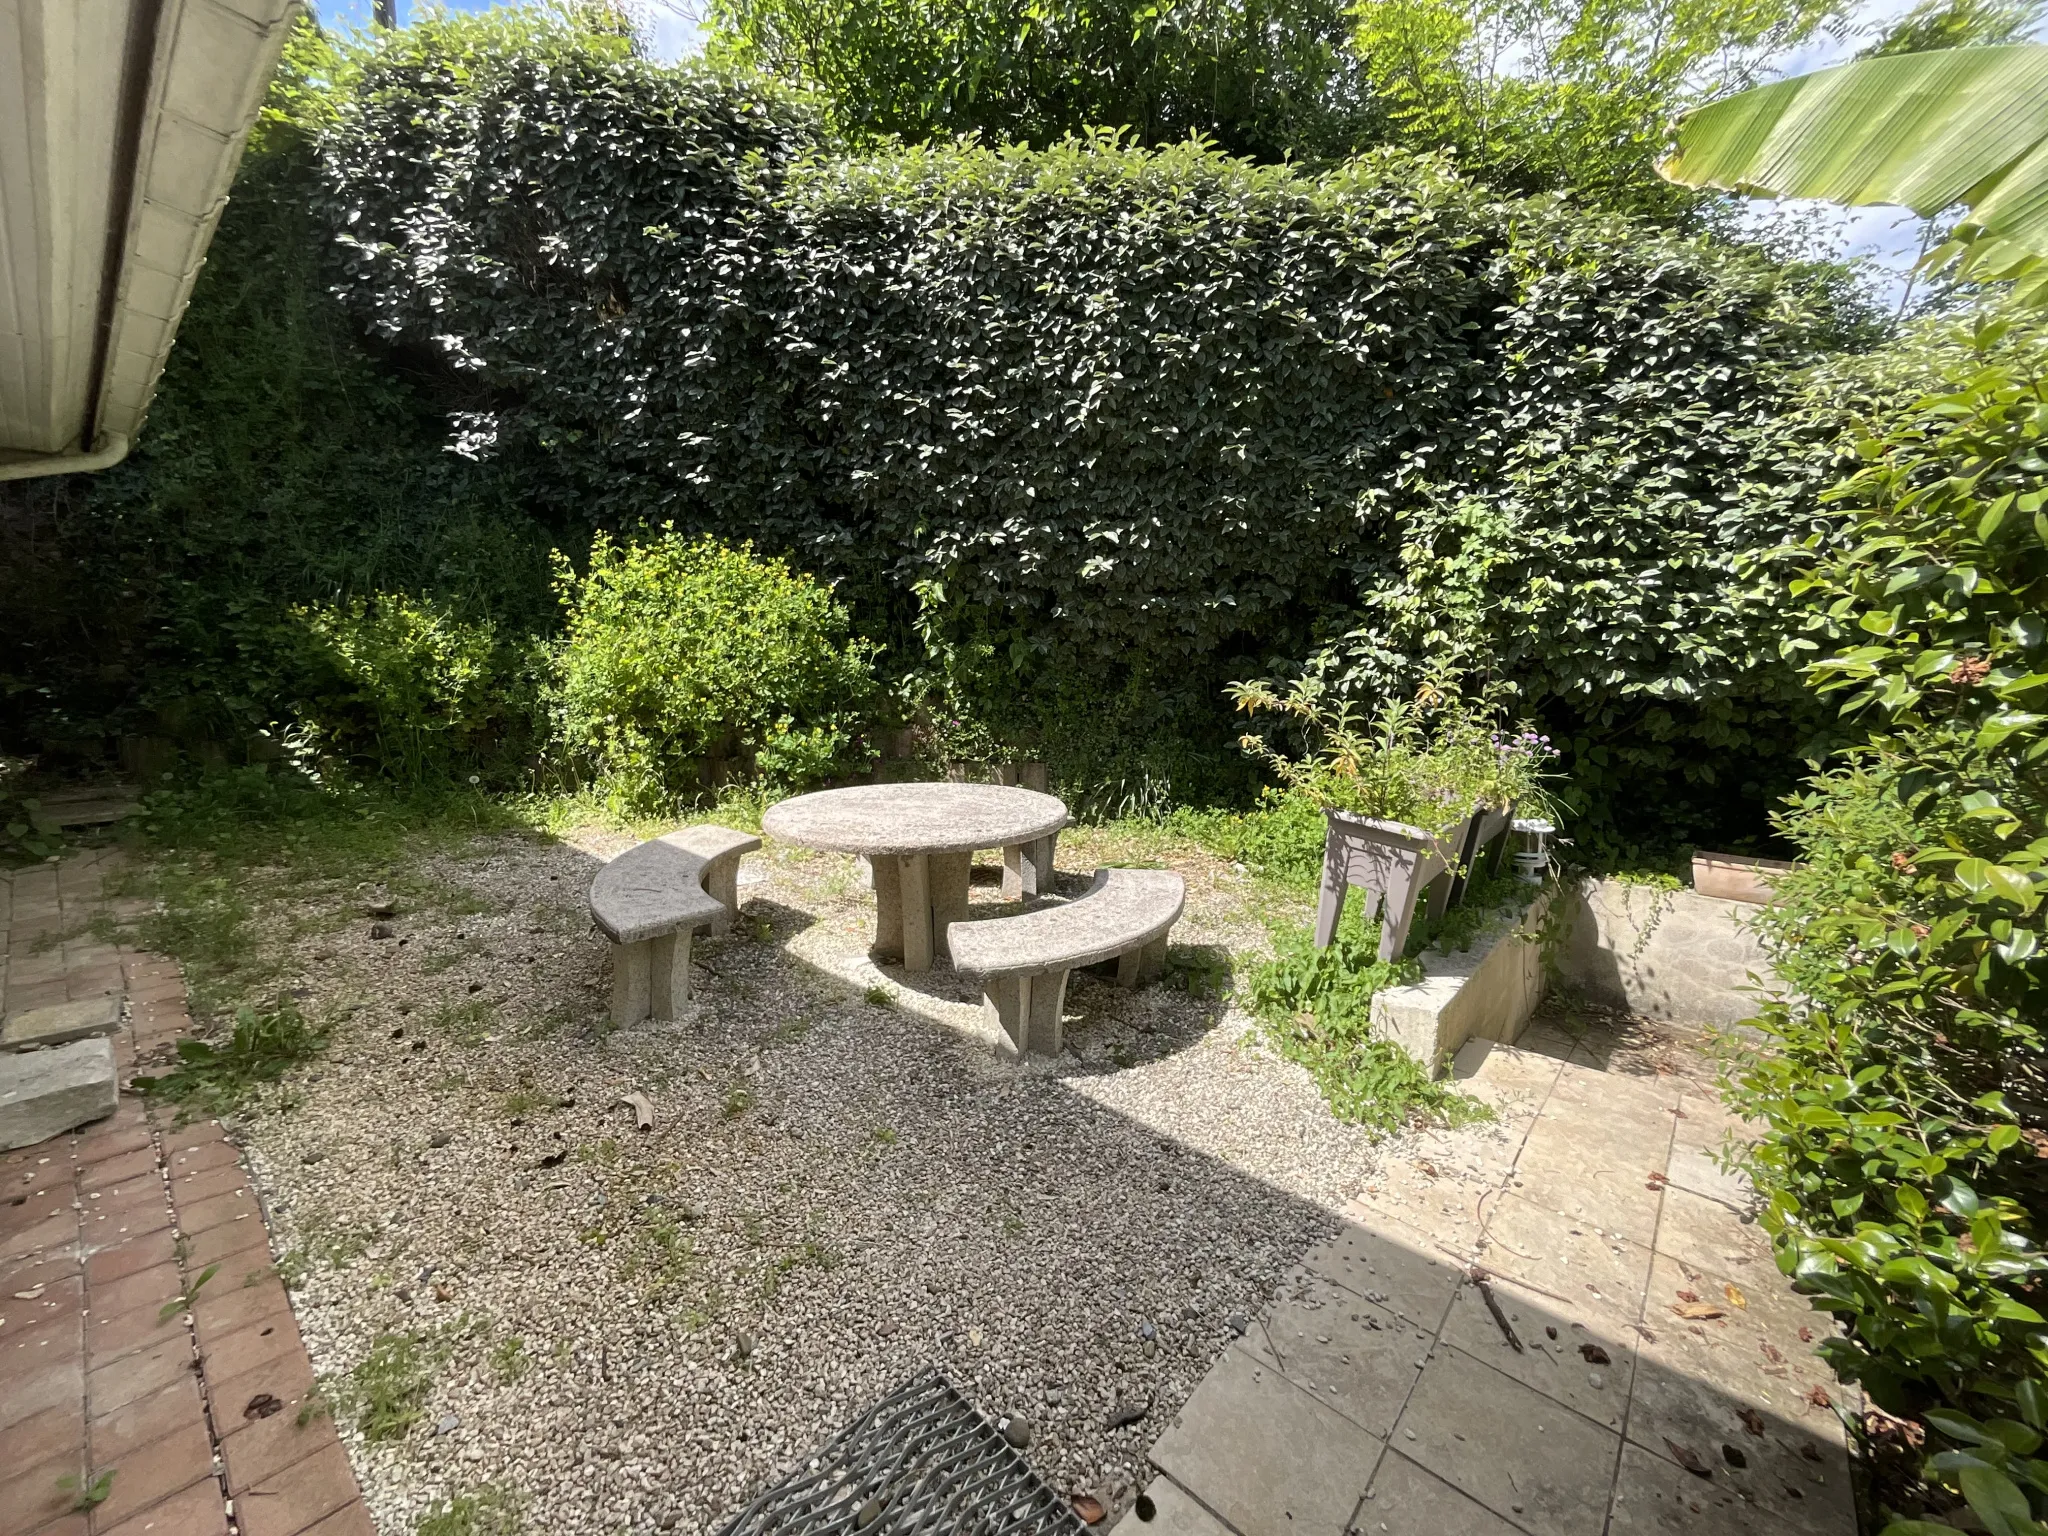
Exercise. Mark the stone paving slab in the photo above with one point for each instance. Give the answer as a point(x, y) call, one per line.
point(99, 1229)
point(1378, 1392)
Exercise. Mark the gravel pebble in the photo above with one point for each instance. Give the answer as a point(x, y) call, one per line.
point(639, 1331)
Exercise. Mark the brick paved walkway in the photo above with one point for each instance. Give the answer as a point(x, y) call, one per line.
point(1662, 1377)
point(101, 1233)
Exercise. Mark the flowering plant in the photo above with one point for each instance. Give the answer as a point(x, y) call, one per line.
point(1429, 763)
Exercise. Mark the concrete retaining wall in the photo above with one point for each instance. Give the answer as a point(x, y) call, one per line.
point(1673, 955)
point(1485, 992)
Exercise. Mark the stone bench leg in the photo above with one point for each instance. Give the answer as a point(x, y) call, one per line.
point(669, 968)
point(1027, 1009)
point(951, 874)
point(650, 978)
point(1146, 963)
point(1027, 868)
point(722, 884)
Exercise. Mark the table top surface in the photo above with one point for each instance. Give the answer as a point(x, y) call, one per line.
point(915, 818)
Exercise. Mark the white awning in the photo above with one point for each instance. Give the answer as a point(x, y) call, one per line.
point(121, 124)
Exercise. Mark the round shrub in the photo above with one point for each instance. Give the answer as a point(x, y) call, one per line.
point(687, 662)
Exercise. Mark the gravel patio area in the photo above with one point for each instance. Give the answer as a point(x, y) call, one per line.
point(638, 1331)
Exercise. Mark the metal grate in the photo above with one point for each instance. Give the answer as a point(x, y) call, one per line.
point(920, 1461)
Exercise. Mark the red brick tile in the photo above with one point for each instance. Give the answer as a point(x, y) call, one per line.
point(289, 1501)
point(247, 1348)
point(137, 1196)
point(349, 1520)
point(288, 1378)
point(35, 1176)
point(34, 1496)
point(27, 1348)
point(197, 1511)
point(151, 1473)
point(106, 1140)
point(108, 1339)
point(58, 1384)
point(61, 1271)
point(58, 1231)
point(150, 1288)
point(225, 1243)
point(112, 1172)
point(191, 1188)
point(219, 1312)
point(57, 1431)
point(65, 1525)
point(129, 1256)
point(267, 1446)
point(50, 1204)
point(204, 1215)
point(194, 1135)
point(115, 1435)
point(197, 1159)
point(136, 1376)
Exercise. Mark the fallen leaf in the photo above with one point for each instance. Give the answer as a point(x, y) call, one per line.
point(1655, 1181)
point(443, 1292)
point(1818, 1396)
point(1089, 1509)
point(643, 1111)
point(1751, 1421)
point(262, 1406)
point(1734, 1294)
point(553, 1159)
point(1594, 1355)
point(1688, 1295)
point(1699, 1311)
point(28, 1295)
point(1805, 1334)
point(1688, 1458)
point(1129, 1412)
point(1733, 1457)
point(1772, 1353)
point(1809, 1450)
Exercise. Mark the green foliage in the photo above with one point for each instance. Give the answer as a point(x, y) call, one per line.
point(1316, 1006)
point(212, 1077)
point(490, 1511)
point(1103, 427)
point(1265, 78)
point(1429, 764)
point(386, 1391)
point(1901, 1171)
point(404, 689)
point(684, 662)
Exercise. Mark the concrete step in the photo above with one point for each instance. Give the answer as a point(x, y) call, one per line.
point(46, 1093)
point(30, 1029)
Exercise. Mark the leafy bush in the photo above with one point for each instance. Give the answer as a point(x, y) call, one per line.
point(402, 688)
point(1097, 421)
point(685, 662)
point(1902, 1170)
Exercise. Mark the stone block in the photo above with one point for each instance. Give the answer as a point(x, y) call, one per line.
point(1485, 992)
point(60, 1023)
point(46, 1093)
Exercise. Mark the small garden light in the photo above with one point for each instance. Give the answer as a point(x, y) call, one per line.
point(1532, 853)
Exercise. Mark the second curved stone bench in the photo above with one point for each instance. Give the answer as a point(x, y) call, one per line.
point(651, 899)
point(1025, 960)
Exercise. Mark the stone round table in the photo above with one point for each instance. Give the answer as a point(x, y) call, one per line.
point(919, 841)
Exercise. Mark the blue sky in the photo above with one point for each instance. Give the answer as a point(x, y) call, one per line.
point(1887, 237)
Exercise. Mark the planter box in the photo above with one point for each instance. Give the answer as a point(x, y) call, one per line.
point(1486, 845)
point(1486, 992)
point(1393, 863)
point(1733, 877)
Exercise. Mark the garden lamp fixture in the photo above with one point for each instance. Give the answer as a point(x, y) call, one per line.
point(1532, 850)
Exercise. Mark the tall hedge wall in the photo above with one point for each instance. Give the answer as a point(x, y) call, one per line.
point(1101, 424)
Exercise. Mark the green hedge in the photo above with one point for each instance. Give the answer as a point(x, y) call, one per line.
point(1096, 422)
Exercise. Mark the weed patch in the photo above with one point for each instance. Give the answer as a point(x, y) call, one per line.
point(385, 1392)
point(214, 1077)
point(490, 1511)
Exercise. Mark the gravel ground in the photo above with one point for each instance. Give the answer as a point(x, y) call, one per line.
point(639, 1331)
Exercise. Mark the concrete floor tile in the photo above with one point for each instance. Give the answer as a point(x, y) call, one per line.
point(1345, 1352)
point(1406, 1498)
point(1391, 1265)
point(1174, 1513)
point(1653, 1497)
point(1517, 1452)
point(1265, 1455)
point(1589, 1271)
point(1607, 1186)
point(1707, 1235)
point(1555, 1367)
point(1698, 1169)
point(1445, 1209)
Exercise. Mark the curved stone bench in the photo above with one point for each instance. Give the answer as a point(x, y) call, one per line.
point(1024, 961)
point(651, 899)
